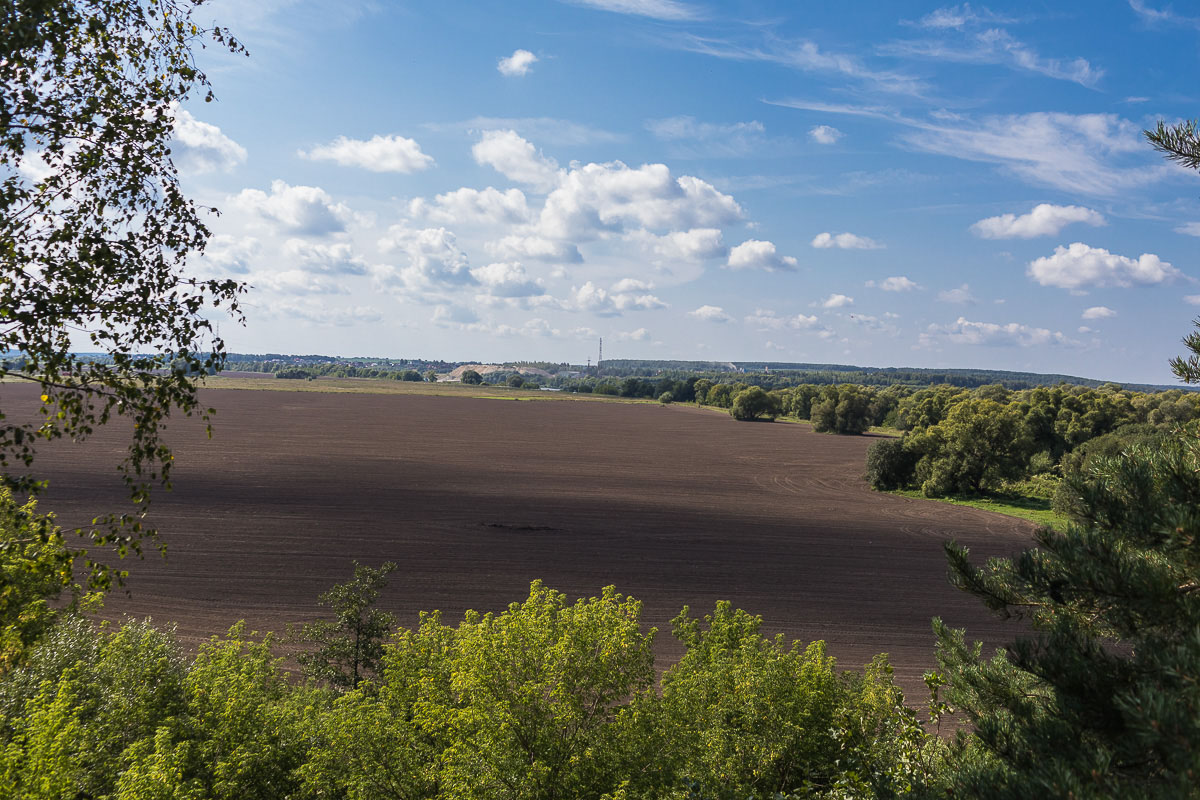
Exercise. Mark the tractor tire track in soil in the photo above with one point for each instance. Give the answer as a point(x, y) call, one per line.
point(474, 498)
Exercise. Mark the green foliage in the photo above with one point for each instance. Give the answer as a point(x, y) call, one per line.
point(516, 381)
point(1102, 702)
point(35, 570)
point(95, 242)
point(524, 704)
point(471, 377)
point(845, 409)
point(752, 403)
point(889, 464)
point(666, 398)
point(431, 376)
point(979, 444)
point(350, 646)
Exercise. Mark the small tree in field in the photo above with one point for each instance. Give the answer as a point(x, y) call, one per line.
point(753, 403)
point(350, 646)
point(516, 381)
point(471, 378)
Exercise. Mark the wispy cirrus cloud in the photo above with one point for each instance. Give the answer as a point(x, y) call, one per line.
point(666, 10)
point(1095, 154)
point(804, 55)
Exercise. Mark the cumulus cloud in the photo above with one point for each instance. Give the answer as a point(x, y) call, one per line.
point(595, 198)
point(231, 254)
point(593, 298)
point(696, 244)
point(1043, 220)
point(964, 331)
point(537, 248)
point(837, 301)
point(201, 147)
point(337, 258)
point(845, 241)
point(306, 210)
point(504, 279)
point(961, 295)
point(1079, 267)
point(628, 285)
point(518, 64)
point(1098, 312)
point(447, 315)
point(516, 159)
point(639, 335)
point(824, 134)
point(434, 258)
point(766, 320)
point(710, 314)
point(896, 283)
point(758, 254)
point(378, 154)
point(474, 206)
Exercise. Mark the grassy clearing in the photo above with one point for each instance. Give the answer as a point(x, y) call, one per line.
point(1034, 509)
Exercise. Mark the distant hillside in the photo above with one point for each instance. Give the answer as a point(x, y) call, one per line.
point(868, 376)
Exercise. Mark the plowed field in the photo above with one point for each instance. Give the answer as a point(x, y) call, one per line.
point(474, 498)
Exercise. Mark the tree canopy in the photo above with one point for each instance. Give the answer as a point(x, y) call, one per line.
point(96, 233)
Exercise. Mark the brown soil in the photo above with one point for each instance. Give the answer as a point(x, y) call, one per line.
point(475, 498)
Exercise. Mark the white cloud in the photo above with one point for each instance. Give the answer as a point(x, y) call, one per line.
point(639, 335)
point(710, 314)
point(298, 281)
point(960, 16)
point(766, 320)
point(377, 154)
point(628, 285)
point(837, 301)
point(1189, 228)
point(595, 198)
point(1084, 329)
point(961, 295)
point(478, 206)
point(824, 134)
point(504, 279)
point(518, 64)
point(538, 248)
point(1043, 220)
point(696, 244)
point(201, 147)
point(516, 159)
point(330, 259)
point(1098, 312)
point(1079, 267)
point(845, 241)
point(306, 210)
point(593, 298)
point(757, 254)
point(319, 312)
point(995, 46)
point(434, 257)
point(1192, 299)
point(964, 331)
point(896, 283)
point(542, 129)
point(444, 315)
point(231, 254)
point(1075, 152)
point(670, 10)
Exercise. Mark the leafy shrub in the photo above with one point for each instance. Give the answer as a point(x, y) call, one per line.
point(890, 465)
point(752, 403)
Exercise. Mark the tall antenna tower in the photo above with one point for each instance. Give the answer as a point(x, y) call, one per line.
point(600, 355)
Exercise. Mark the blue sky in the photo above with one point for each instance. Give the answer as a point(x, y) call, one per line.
point(903, 184)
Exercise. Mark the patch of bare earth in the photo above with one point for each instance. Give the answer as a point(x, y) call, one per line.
point(475, 498)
